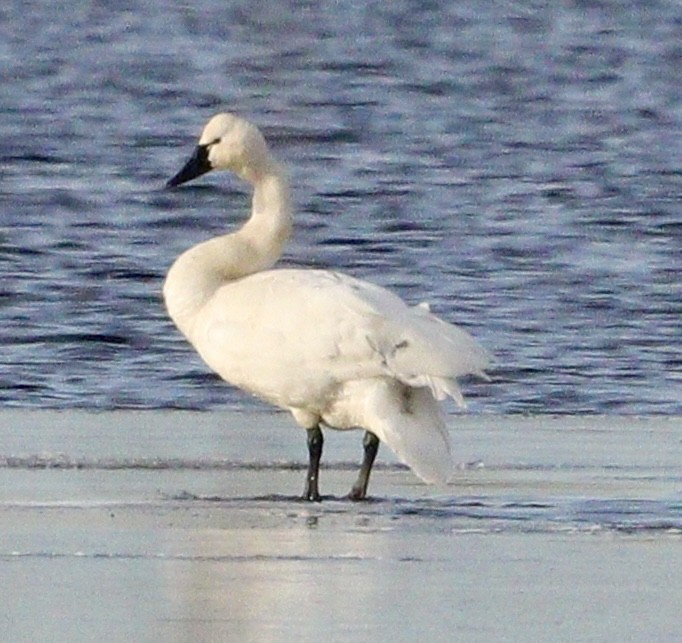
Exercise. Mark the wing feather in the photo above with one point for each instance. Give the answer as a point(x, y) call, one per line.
point(289, 335)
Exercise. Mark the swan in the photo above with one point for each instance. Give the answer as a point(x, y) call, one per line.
point(333, 350)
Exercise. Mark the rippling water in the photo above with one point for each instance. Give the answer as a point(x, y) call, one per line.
point(518, 165)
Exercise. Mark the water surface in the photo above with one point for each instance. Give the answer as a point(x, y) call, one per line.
point(516, 165)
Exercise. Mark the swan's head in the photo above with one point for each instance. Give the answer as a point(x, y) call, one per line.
point(227, 143)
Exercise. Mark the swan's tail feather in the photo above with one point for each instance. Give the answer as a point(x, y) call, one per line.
point(411, 424)
point(440, 387)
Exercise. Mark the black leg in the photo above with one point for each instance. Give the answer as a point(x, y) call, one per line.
point(371, 444)
point(315, 442)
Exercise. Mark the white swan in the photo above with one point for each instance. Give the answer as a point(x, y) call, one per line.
point(331, 349)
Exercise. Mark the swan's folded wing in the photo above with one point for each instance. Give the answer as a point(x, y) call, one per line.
point(298, 333)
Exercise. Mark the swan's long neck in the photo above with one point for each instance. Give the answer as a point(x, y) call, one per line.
point(200, 271)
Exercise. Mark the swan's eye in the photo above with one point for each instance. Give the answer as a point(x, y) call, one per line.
point(213, 142)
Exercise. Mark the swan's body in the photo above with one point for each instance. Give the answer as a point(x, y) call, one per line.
point(330, 348)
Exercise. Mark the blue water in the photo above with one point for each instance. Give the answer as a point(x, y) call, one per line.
point(518, 165)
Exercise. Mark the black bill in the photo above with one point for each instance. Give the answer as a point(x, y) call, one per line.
point(197, 165)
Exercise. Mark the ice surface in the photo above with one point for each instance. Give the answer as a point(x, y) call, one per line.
point(167, 526)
